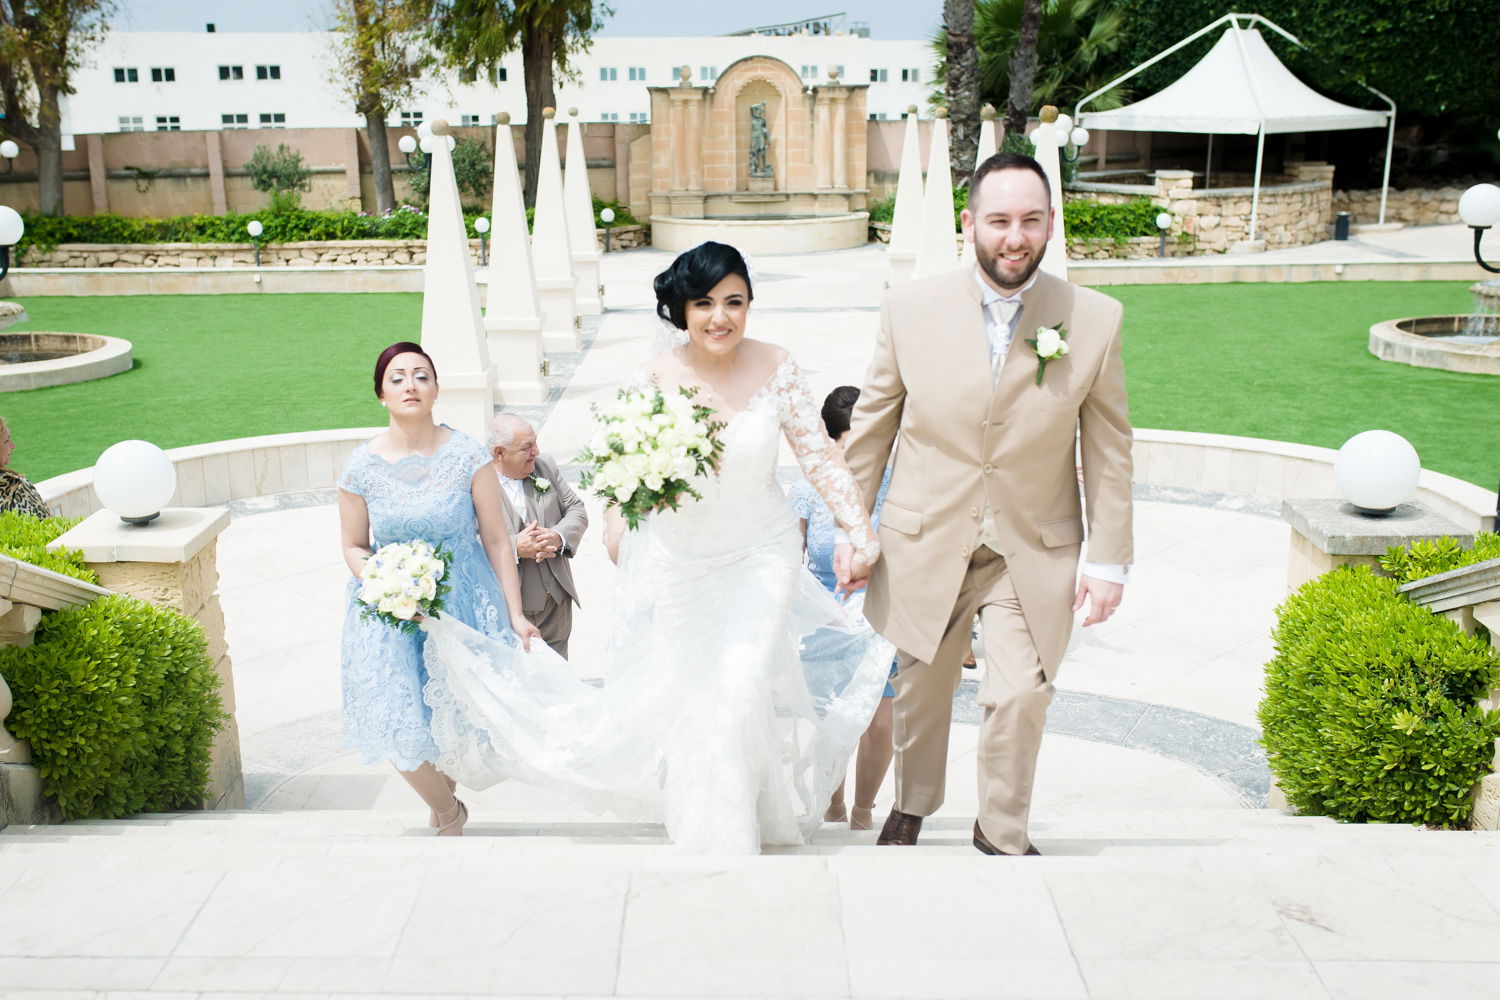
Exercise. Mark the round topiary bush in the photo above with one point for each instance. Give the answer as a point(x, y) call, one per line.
point(1370, 712)
point(120, 703)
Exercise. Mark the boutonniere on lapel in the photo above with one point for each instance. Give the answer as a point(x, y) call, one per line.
point(1050, 343)
point(540, 484)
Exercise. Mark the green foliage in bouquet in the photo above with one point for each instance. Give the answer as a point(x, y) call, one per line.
point(647, 449)
point(1422, 559)
point(25, 537)
point(1371, 708)
point(120, 703)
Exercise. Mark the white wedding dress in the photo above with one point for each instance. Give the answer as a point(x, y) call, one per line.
point(735, 686)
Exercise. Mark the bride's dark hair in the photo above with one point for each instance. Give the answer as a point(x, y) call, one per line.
point(693, 275)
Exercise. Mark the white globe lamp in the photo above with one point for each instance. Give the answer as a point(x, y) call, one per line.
point(424, 130)
point(607, 216)
point(135, 480)
point(12, 228)
point(1377, 471)
point(1479, 206)
point(1080, 137)
point(9, 149)
point(407, 144)
point(254, 228)
point(426, 145)
point(481, 225)
point(1064, 128)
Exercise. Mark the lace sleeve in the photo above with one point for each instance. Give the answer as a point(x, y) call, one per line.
point(819, 458)
point(352, 479)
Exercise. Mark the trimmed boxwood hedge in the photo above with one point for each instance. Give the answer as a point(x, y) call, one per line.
point(1084, 218)
point(25, 537)
point(1370, 711)
point(120, 704)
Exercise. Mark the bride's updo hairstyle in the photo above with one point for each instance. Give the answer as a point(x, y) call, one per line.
point(389, 354)
point(693, 275)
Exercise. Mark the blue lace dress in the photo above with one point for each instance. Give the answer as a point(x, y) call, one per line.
point(427, 497)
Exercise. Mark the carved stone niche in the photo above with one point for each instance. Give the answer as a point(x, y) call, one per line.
point(753, 93)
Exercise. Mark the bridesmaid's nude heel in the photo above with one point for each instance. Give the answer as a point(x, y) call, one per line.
point(451, 823)
point(861, 818)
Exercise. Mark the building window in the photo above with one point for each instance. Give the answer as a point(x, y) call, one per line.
point(809, 72)
point(610, 116)
point(608, 73)
point(468, 119)
point(877, 76)
point(497, 75)
point(879, 117)
point(163, 74)
point(127, 75)
point(231, 72)
point(274, 120)
point(235, 121)
point(708, 73)
point(638, 72)
point(639, 117)
point(911, 76)
point(131, 123)
point(268, 72)
point(168, 123)
point(411, 119)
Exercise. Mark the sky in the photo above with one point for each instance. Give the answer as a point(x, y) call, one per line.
point(888, 19)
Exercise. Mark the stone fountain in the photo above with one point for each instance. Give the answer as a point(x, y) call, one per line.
point(759, 160)
point(1468, 342)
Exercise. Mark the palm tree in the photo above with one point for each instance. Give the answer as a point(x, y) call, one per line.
point(961, 85)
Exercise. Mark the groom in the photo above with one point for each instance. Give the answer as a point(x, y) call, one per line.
point(983, 512)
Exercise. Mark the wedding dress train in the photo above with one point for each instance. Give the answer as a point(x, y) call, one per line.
point(735, 685)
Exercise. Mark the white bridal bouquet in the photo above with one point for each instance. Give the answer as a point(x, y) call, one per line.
point(646, 450)
point(402, 581)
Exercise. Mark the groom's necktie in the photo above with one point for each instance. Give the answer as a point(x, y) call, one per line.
point(1002, 317)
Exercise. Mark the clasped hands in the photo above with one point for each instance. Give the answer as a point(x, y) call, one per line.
point(537, 543)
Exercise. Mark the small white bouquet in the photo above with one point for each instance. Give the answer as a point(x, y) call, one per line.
point(403, 581)
point(646, 450)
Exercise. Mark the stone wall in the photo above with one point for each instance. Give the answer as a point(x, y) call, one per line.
point(1293, 211)
point(1139, 248)
point(338, 253)
point(1414, 207)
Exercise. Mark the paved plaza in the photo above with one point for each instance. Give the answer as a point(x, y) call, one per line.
point(1164, 875)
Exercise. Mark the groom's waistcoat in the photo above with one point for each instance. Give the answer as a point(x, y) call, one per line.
point(963, 443)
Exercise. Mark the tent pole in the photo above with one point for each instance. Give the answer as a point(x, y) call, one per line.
point(1260, 152)
point(1111, 85)
point(1208, 164)
point(1385, 179)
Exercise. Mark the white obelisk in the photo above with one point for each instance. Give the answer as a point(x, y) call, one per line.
point(578, 204)
point(1055, 262)
point(555, 281)
point(513, 314)
point(452, 329)
point(906, 220)
point(937, 246)
point(987, 148)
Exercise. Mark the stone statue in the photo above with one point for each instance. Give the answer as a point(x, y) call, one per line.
point(760, 141)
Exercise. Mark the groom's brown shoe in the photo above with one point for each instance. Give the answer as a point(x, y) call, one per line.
point(985, 847)
point(900, 829)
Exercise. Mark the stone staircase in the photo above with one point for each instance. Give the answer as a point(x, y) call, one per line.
point(1190, 903)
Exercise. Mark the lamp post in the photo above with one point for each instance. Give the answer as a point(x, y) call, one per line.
point(12, 228)
point(135, 480)
point(1163, 223)
point(482, 227)
point(408, 145)
point(607, 216)
point(1480, 209)
point(255, 229)
point(8, 152)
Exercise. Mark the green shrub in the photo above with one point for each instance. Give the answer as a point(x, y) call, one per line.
point(281, 173)
point(120, 703)
point(473, 170)
point(1370, 710)
point(883, 210)
point(1087, 219)
point(1423, 559)
point(622, 214)
point(25, 538)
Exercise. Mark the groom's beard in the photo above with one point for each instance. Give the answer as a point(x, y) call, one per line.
point(990, 264)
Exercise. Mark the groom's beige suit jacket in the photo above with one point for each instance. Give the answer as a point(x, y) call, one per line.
point(962, 443)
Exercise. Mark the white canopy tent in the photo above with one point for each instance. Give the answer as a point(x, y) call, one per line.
point(1239, 88)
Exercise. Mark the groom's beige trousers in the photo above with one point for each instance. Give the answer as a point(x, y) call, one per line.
point(1014, 694)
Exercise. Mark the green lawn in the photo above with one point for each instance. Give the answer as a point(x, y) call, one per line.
point(1263, 360)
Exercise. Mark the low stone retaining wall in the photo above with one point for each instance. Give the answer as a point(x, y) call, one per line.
point(333, 253)
point(1135, 248)
point(1413, 207)
point(216, 473)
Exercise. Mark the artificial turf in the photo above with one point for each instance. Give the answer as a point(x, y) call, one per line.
point(1283, 361)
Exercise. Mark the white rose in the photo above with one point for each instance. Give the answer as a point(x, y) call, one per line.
point(406, 608)
point(1047, 342)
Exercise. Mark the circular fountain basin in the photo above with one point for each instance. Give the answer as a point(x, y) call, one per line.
point(11, 313)
point(1452, 343)
point(764, 234)
point(38, 359)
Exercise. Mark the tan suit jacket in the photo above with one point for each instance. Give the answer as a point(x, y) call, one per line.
point(965, 443)
point(558, 509)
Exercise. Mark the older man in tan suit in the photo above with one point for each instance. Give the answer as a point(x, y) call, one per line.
point(988, 420)
point(547, 521)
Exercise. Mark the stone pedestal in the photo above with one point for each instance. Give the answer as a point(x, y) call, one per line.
point(1486, 794)
point(1330, 533)
point(171, 561)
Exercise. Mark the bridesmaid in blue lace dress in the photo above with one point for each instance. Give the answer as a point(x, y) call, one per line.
point(875, 747)
point(418, 479)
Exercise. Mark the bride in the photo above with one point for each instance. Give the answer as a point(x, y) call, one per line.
point(710, 720)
